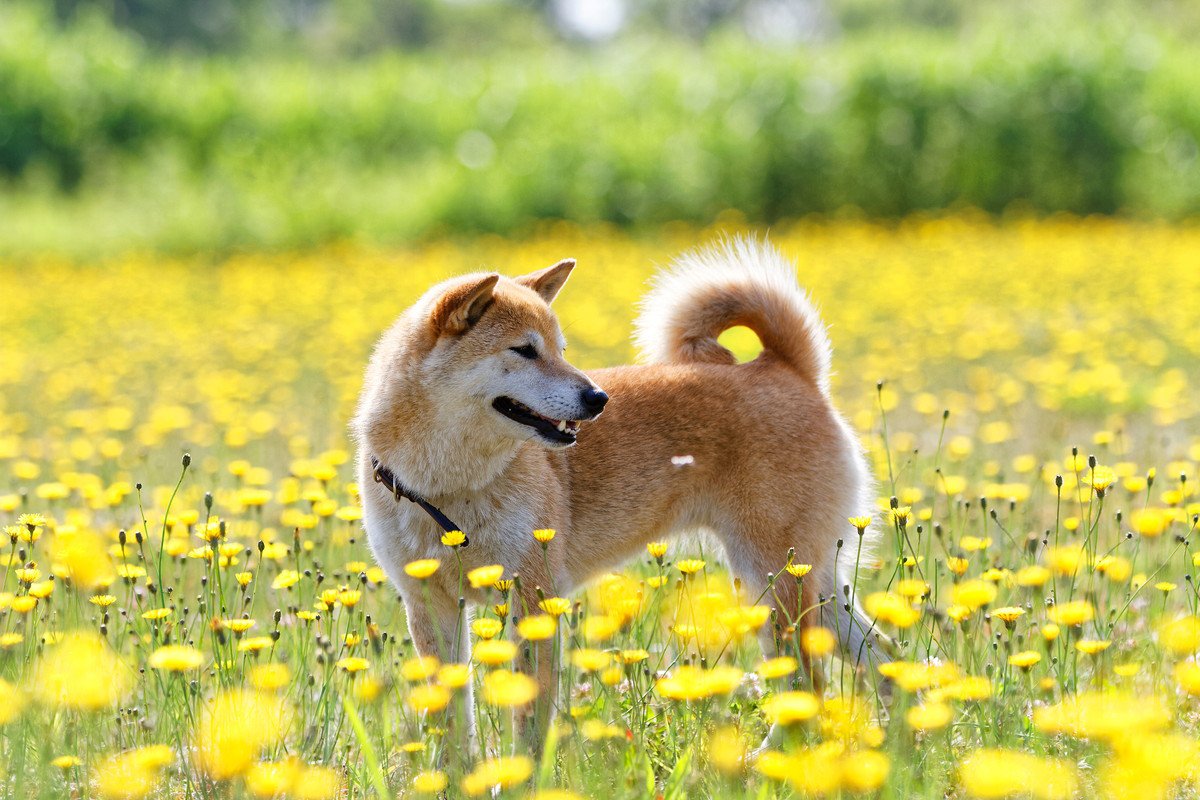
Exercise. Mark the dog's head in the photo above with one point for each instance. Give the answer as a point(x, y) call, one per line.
point(494, 357)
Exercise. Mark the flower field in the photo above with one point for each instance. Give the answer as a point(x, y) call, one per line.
point(189, 608)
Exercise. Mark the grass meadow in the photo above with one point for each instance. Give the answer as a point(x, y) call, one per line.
point(189, 608)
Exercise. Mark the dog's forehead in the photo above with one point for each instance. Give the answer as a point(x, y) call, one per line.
point(517, 310)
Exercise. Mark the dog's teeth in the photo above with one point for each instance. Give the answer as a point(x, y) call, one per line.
point(562, 426)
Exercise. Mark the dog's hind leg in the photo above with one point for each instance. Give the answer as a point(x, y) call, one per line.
point(537, 659)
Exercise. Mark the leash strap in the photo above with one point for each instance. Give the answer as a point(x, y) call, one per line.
point(388, 479)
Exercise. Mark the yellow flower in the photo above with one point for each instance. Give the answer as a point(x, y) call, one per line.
point(864, 770)
point(929, 716)
point(1103, 715)
point(1025, 659)
point(1066, 560)
point(66, 762)
point(420, 668)
point(253, 644)
point(487, 627)
point(778, 667)
point(1072, 613)
point(1092, 646)
point(453, 538)
point(102, 600)
point(81, 672)
point(31, 521)
point(422, 568)
point(798, 570)
point(27, 574)
point(494, 651)
point(1100, 478)
point(537, 627)
point(23, 604)
point(131, 775)
point(349, 597)
point(1187, 675)
point(42, 589)
point(503, 773)
point(973, 594)
point(972, 544)
point(82, 554)
point(958, 565)
point(285, 579)
point(353, 664)
point(454, 676)
point(1032, 576)
point(176, 658)
point(657, 549)
point(1115, 568)
point(428, 698)
point(1180, 636)
point(269, 677)
point(727, 750)
point(632, 656)
point(1150, 522)
point(690, 566)
point(816, 641)
point(1009, 614)
point(12, 701)
point(544, 535)
point(785, 708)
point(995, 773)
point(892, 609)
point(234, 728)
point(600, 628)
point(156, 613)
point(598, 730)
point(483, 577)
point(694, 683)
point(272, 779)
point(504, 688)
point(861, 523)
point(429, 782)
point(590, 660)
point(238, 625)
point(555, 606)
point(912, 588)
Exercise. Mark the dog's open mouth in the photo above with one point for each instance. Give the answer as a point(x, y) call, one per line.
point(563, 431)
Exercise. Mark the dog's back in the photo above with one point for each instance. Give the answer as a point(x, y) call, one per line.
point(755, 452)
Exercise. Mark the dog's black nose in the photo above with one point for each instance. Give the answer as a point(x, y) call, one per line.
point(594, 400)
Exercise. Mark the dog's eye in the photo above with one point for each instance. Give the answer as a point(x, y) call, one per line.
point(525, 351)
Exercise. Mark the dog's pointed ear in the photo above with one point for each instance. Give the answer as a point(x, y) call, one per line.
point(547, 282)
point(462, 306)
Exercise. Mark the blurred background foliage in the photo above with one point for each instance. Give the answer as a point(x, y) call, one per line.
point(210, 124)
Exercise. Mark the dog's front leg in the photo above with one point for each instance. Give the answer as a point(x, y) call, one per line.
point(438, 628)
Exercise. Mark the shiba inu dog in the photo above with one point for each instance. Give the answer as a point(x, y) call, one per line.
point(470, 405)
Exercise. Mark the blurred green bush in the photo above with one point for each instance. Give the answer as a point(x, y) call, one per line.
point(105, 143)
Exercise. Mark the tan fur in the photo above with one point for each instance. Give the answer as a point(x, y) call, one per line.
point(772, 465)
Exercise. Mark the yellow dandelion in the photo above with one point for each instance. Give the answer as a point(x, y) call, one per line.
point(484, 577)
point(422, 568)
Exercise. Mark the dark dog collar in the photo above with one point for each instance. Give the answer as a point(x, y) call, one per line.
point(388, 479)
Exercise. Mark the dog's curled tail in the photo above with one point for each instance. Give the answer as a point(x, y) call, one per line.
point(739, 281)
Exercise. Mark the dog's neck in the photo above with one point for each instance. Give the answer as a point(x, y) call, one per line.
point(436, 454)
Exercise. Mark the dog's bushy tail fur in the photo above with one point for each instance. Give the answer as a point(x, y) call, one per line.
point(739, 281)
point(745, 281)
